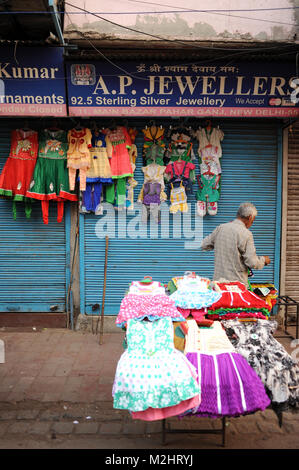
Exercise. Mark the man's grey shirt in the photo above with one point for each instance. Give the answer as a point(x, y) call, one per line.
point(234, 252)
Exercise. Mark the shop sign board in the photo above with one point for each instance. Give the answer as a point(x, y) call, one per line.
point(32, 81)
point(243, 89)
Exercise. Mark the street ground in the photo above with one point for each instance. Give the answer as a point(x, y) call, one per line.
point(55, 393)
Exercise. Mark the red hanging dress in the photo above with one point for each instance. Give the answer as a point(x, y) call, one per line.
point(17, 172)
point(119, 158)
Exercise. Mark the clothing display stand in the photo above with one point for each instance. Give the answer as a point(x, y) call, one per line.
point(286, 302)
point(169, 430)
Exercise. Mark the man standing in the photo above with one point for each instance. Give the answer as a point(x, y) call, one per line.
point(234, 248)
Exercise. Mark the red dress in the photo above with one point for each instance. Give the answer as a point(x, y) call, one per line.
point(120, 158)
point(180, 166)
point(17, 172)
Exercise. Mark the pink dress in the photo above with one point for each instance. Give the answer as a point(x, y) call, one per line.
point(146, 300)
point(120, 161)
point(147, 306)
point(155, 414)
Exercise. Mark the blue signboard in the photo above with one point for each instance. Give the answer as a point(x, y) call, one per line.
point(193, 89)
point(32, 81)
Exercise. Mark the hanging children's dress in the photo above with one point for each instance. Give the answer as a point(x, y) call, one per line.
point(146, 300)
point(209, 182)
point(193, 293)
point(276, 368)
point(98, 174)
point(50, 181)
point(18, 170)
point(131, 182)
point(229, 385)
point(152, 193)
point(210, 136)
point(179, 184)
point(236, 300)
point(154, 145)
point(180, 146)
point(146, 287)
point(120, 164)
point(180, 171)
point(151, 373)
point(78, 156)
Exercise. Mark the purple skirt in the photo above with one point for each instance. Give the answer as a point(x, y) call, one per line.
point(229, 385)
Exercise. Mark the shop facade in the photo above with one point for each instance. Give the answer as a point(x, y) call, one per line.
point(35, 257)
point(248, 103)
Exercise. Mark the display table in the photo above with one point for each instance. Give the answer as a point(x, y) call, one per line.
point(166, 429)
point(286, 302)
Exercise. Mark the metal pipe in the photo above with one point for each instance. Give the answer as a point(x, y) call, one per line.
point(55, 15)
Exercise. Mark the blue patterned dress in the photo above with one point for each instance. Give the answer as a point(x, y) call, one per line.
point(193, 293)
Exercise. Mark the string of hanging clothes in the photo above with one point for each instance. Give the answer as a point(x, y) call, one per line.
point(97, 164)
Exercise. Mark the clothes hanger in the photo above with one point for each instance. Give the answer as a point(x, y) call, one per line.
point(208, 125)
point(146, 280)
point(54, 126)
point(78, 126)
point(93, 126)
point(208, 129)
point(26, 127)
point(190, 273)
point(112, 125)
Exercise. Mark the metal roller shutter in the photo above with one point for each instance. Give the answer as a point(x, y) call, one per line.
point(32, 255)
point(249, 173)
point(292, 234)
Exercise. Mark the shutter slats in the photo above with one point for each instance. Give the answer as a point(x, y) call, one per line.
point(249, 166)
point(32, 254)
point(292, 238)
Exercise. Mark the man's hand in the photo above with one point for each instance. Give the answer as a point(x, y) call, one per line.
point(267, 260)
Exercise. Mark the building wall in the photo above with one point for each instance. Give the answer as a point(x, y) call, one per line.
point(229, 20)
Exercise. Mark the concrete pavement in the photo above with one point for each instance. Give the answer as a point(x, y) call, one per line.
point(55, 393)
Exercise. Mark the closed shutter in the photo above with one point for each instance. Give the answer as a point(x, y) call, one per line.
point(292, 235)
point(249, 166)
point(32, 254)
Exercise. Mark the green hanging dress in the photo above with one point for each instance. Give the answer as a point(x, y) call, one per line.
point(50, 180)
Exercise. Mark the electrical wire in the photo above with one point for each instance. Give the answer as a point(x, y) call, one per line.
point(221, 12)
point(179, 10)
point(173, 41)
point(159, 12)
point(146, 79)
point(214, 9)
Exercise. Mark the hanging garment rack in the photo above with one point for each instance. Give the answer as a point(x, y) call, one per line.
point(286, 302)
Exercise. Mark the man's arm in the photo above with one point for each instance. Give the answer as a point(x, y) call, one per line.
point(250, 258)
point(208, 242)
